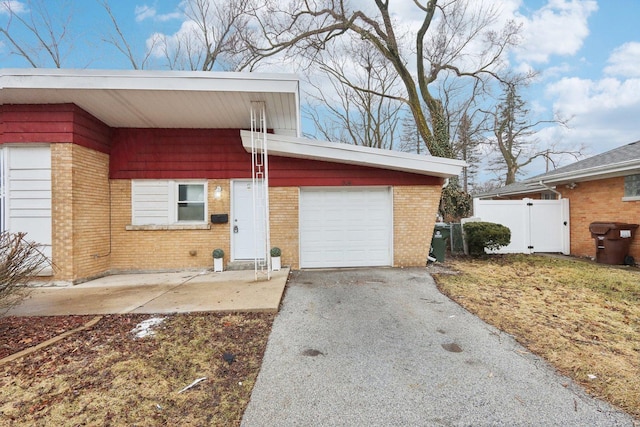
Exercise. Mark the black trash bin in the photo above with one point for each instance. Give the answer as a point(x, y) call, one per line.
point(612, 241)
point(441, 233)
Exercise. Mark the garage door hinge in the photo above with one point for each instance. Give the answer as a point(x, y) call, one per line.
point(529, 247)
point(529, 204)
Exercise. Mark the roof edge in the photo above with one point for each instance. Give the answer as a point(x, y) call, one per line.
point(19, 78)
point(288, 146)
point(598, 172)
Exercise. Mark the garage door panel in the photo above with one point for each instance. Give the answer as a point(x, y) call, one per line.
point(345, 227)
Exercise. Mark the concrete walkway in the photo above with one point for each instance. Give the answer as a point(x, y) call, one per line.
point(382, 347)
point(159, 293)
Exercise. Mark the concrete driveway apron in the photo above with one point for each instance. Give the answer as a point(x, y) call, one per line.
point(382, 347)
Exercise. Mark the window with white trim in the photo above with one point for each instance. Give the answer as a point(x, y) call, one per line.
point(632, 187)
point(168, 202)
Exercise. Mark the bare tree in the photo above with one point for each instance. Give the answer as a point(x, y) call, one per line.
point(410, 139)
point(36, 33)
point(120, 42)
point(20, 260)
point(453, 38)
point(466, 148)
point(345, 105)
point(213, 37)
point(514, 134)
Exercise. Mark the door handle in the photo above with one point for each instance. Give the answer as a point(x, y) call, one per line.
point(235, 228)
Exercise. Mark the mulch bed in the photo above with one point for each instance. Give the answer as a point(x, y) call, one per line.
point(19, 333)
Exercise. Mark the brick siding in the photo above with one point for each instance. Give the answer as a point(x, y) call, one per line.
point(157, 250)
point(599, 200)
point(414, 212)
point(80, 211)
point(283, 221)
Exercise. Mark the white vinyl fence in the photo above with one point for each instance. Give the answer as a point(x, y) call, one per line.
point(536, 225)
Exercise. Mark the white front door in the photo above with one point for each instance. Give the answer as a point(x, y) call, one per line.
point(247, 228)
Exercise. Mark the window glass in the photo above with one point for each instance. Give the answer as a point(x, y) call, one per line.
point(190, 202)
point(632, 186)
point(191, 192)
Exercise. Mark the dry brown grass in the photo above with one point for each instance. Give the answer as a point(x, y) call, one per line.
point(103, 376)
point(581, 317)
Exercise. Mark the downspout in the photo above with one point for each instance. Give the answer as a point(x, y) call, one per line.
point(550, 189)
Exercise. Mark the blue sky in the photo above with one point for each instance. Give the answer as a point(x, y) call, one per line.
point(587, 53)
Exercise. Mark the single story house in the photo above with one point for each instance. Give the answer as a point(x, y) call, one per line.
point(602, 188)
point(119, 171)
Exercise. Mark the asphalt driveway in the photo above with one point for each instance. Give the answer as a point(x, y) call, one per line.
point(378, 347)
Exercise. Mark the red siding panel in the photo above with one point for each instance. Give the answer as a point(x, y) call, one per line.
point(218, 154)
point(55, 123)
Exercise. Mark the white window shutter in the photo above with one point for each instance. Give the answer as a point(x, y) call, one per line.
point(150, 202)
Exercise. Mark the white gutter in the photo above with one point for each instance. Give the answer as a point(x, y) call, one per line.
point(550, 189)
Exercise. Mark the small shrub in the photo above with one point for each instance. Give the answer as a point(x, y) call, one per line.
point(481, 235)
point(275, 251)
point(218, 253)
point(20, 261)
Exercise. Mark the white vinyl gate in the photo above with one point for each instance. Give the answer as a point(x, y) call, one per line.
point(536, 225)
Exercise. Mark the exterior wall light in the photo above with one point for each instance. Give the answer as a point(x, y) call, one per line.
point(217, 193)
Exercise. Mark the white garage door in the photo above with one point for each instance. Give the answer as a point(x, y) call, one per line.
point(346, 227)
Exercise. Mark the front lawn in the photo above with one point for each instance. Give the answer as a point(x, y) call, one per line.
point(108, 376)
point(582, 317)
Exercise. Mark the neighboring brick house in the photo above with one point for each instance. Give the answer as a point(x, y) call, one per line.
point(119, 171)
point(605, 187)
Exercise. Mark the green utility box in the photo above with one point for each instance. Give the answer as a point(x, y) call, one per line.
point(441, 234)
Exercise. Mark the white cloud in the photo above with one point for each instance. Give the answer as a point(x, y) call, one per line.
point(145, 12)
point(558, 28)
point(604, 112)
point(12, 5)
point(624, 61)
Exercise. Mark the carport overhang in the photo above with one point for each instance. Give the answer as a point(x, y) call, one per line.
point(160, 99)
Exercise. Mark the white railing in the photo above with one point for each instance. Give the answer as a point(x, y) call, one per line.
point(260, 190)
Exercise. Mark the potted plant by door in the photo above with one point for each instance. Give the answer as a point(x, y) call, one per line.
point(275, 258)
point(218, 258)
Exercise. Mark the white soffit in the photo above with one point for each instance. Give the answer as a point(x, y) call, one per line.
point(302, 148)
point(160, 99)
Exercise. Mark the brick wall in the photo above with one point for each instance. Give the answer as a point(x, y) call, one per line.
point(599, 200)
point(283, 203)
point(91, 249)
point(80, 211)
point(156, 250)
point(148, 250)
point(414, 211)
point(62, 210)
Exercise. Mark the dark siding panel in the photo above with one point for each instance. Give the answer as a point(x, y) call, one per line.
point(218, 153)
point(54, 124)
point(179, 153)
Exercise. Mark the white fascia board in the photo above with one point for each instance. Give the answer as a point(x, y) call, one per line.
point(286, 146)
point(600, 172)
point(201, 81)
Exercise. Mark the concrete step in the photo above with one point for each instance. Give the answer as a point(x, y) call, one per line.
point(240, 265)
